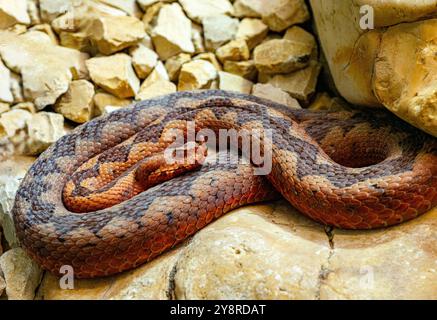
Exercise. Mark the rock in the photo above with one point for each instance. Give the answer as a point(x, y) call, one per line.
point(219, 29)
point(103, 100)
point(47, 29)
point(281, 14)
point(114, 74)
point(172, 33)
point(2, 285)
point(5, 84)
point(145, 4)
point(197, 74)
point(128, 6)
point(155, 89)
point(236, 50)
point(22, 275)
point(51, 9)
point(4, 107)
point(77, 103)
point(197, 38)
point(12, 171)
point(159, 73)
point(174, 65)
point(248, 8)
point(28, 106)
point(281, 56)
point(324, 102)
point(404, 74)
point(151, 16)
point(143, 60)
point(13, 12)
point(232, 82)
point(46, 69)
point(13, 121)
point(198, 10)
point(245, 69)
point(299, 35)
point(44, 129)
point(33, 12)
point(210, 57)
point(112, 34)
point(267, 91)
point(253, 31)
point(16, 88)
point(301, 84)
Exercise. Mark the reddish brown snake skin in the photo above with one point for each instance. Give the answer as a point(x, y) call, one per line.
point(353, 170)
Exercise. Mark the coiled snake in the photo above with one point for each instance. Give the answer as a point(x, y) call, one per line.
point(354, 170)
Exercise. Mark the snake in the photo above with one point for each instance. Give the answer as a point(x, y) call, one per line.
point(102, 199)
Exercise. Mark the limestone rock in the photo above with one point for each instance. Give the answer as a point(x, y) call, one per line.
point(324, 102)
point(232, 82)
point(282, 14)
point(51, 9)
point(235, 50)
point(219, 29)
point(47, 29)
point(5, 84)
point(113, 34)
point(172, 34)
point(198, 10)
point(143, 60)
point(281, 56)
point(12, 171)
point(301, 84)
point(103, 100)
point(249, 8)
point(46, 69)
point(405, 68)
point(114, 74)
point(197, 38)
point(44, 129)
point(253, 31)
point(4, 107)
point(77, 103)
point(22, 275)
point(155, 89)
point(13, 12)
point(210, 57)
point(33, 12)
point(12, 121)
point(28, 106)
point(197, 74)
point(159, 73)
point(174, 65)
point(267, 91)
point(16, 87)
point(128, 6)
point(2, 285)
point(245, 69)
point(299, 35)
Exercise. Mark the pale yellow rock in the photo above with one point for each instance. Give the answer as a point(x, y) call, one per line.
point(249, 8)
point(128, 6)
point(145, 4)
point(197, 38)
point(12, 171)
point(12, 121)
point(299, 35)
point(174, 65)
point(253, 31)
point(77, 103)
point(4, 107)
point(17, 29)
point(198, 10)
point(143, 60)
point(210, 57)
point(114, 74)
point(232, 82)
point(51, 9)
point(47, 29)
point(159, 73)
point(13, 12)
point(22, 275)
point(282, 56)
point(235, 50)
point(16, 87)
point(33, 12)
point(267, 91)
point(44, 128)
point(151, 16)
point(156, 89)
point(5, 84)
point(324, 102)
point(219, 29)
point(113, 34)
point(301, 84)
point(245, 69)
point(76, 40)
point(281, 14)
point(172, 33)
point(2, 284)
point(197, 74)
point(28, 106)
point(46, 69)
point(405, 69)
point(103, 100)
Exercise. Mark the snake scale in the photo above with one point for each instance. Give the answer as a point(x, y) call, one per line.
point(349, 169)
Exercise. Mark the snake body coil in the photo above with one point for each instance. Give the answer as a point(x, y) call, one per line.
point(347, 169)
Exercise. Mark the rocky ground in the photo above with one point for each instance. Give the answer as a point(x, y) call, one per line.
point(66, 62)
